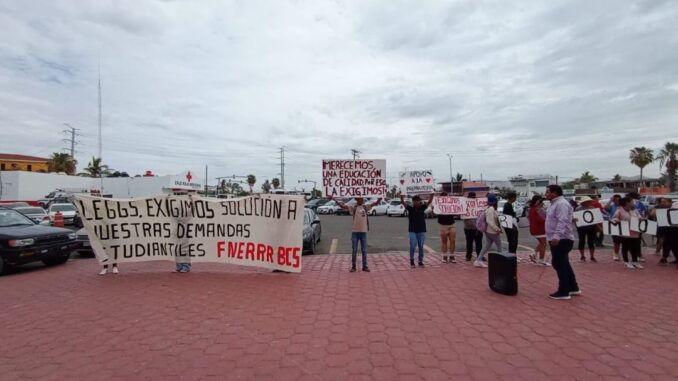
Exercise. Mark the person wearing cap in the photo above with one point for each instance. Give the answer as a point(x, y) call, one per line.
point(472, 234)
point(493, 232)
point(561, 240)
point(416, 227)
point(586, 234)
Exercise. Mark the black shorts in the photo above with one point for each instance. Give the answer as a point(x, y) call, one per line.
point(616, 239)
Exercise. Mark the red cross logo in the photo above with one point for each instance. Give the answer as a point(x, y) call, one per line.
point(189, 177)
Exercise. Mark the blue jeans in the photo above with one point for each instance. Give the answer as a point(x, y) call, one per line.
point(417, 239)
point(355, 238)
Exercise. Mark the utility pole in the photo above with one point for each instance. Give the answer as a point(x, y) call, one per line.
point(355, 153)
point(101, 175)
point(451, 178)
point(308, 181)
point(206, 179)
point(282, 168)
point(71, 130)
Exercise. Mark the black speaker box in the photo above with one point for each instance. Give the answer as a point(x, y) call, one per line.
point(503, 273)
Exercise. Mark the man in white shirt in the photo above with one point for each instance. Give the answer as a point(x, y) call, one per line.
point(359, 229)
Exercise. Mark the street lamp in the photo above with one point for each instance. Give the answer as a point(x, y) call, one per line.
point(451, 179)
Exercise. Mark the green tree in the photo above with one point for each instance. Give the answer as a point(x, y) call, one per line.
point(617, 177)
point(251, 180)
point(266, 187)
point(459, 177)
point(62, 162)
point(667, 156)
point(393, 192)
point(641, 157)
point(96, 169)
point(587, 178)
point(276, 183)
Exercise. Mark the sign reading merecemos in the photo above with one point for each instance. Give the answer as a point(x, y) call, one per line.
point(262, 231)
point(354, 178)
point(416, 182)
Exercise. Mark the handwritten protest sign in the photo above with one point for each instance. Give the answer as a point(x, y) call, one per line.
point(667, 217)
point(262, 231)
point(416, 182)
point(354, 178)
point(474, 207)
point(621, 228)
point(643, 226)
point(588, 217)
point(445, 205)
point(506, 221)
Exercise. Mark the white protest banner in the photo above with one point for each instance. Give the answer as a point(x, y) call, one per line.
point(643, 226)
point(588, 217)
point(263, 231)
point(474, 207)
point(354, 178)
point(446, 205)
point(621, 228)
point(667, 217)
point(506, 221)
point(416, 182)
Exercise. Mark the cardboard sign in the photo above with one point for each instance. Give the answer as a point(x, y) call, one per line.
point(416, 182)
point(474, 207)
point(588, 217)
point(263, 231)
point(506, 221)
point(447, 205)
point(667, 217)
point(643, 226)
point(354, 178)
point(621, 228)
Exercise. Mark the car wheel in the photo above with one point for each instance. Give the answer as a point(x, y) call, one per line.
point(312, 249)
point(373, 212)
point(59, 260)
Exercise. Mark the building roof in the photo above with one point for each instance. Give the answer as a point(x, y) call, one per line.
point(12, 157)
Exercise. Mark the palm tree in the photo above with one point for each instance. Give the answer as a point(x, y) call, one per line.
point(460, 177)
point(266, 186)
point(617, 177)
point(641, 157)
point(62, 162)
point(96, 169)
point(275, 182)
point(251, 180)
point(587, 178)
point(667, 156)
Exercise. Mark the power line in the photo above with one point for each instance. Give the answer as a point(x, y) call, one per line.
point(355, 153)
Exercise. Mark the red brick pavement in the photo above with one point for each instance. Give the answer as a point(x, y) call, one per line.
point(396, 323)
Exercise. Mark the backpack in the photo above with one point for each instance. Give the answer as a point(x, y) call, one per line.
point(481, 223)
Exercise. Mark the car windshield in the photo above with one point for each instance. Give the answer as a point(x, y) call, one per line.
point(395, 202)
point(13, 218)
point(62, 208)
point(31, 211)
point(307, 218)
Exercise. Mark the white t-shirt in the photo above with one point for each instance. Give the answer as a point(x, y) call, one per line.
point(359, 213)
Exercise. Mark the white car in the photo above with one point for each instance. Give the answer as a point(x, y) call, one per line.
point(395, 208)
point(67, 210)
point(517, 207)
point(329, 208)
point(380, 209)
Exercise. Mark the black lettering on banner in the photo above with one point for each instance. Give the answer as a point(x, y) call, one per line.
point(642, 226)
point(84, 211)
point(617, 226)
point(95, 207)
point(292, 210)
point(588, 217)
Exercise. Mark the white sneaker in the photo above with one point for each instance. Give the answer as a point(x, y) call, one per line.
point(629, 265)
point(543, 263)
point(103, 271)
point(641, 259)
point(479, 264)
point(615, 257)
point(637, 265)
point(115, 270)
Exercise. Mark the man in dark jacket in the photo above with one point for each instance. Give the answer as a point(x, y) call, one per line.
point(416, 227)
point(511, 233)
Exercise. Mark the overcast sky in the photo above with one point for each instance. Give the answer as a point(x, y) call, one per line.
point(507, 88)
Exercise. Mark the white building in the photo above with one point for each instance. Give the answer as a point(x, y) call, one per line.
point(24, 186)
point(531, 185)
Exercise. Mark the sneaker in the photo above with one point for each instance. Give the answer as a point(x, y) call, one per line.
point(641, 259)
point(663, 262)
point(479, 264)
point(533, 257)
point(615, 257)
point(115, 270)
point(452, 259)
point(103, 271)
point(559, 296)
point(637, 265)
point(184, 270)
point(445, 258)
point(593, 259)
point(412, 264)
point(366, 269)
point(575, 293)
point(543, 263)
point(629, 265)
point(352, 270)
point(421, 264)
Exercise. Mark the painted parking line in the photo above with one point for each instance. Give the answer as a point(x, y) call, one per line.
point(333, 246)
point(428, 249)
point(519, 245)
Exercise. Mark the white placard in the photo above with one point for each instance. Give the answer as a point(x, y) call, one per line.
point(506, 221)
point(588, 217)
point(667, 217)
point(354, 178)
point(416, 182)
point(643, 226)
point(449, 205)
point(621, 228)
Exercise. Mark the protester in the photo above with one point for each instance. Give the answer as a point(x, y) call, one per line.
point(416, 227)
point(493, 229)
point(611, 208)
point(537, 217)
point(104, 267)
point(561, 240)
point(586, 234)
point(448, 233)
point(625, 212)
point(512, 232)
point(600, 235)
point(472, 234)
point(359, 229)
point(642, 212)
point(664, 236)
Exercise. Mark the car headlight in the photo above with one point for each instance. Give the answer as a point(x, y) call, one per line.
point(72, 236)
point(21, 242)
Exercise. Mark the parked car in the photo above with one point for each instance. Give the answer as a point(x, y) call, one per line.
point(395, 208)
point(35, 213)
point(67, 210)
point(329, 208)
point(312, 231)
point(379, 209)
point(14, 205)
point(22, 241)
point(347, 201)
point(84, 247)
point(517, 207)
point(316, 202)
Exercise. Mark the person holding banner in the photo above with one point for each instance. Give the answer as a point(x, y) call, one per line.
point(537, 217)
point(586, 234)
point(561, 240)
point(664, 233)
point(492, 231)
point(611, 208)
point(631, 244)
point(472, 234)
point(360, 227)
point(416, 227)
point(448, 233)
point(512, 232)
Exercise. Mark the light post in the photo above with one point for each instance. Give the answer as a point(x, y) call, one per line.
point(451, 179)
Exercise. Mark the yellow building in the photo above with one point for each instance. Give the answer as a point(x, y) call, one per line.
point(10, 162)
